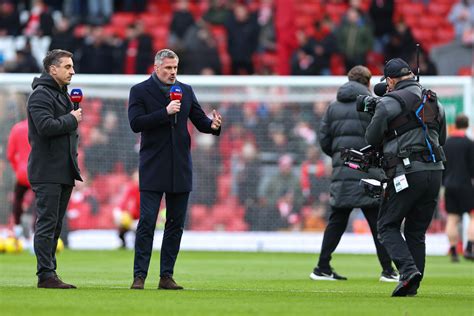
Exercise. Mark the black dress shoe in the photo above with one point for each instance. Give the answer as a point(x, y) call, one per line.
point(138, 283)
point(54, 282)
point(408, 284)
point(167, 283)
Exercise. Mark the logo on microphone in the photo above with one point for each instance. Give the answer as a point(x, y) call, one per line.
point(176, 93)
point(76, 95)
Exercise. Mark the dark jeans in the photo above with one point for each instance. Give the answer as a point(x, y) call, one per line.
point(337, 225)
point(176, 205)
point(17, 207)
point(51, 203)
point(415, 204)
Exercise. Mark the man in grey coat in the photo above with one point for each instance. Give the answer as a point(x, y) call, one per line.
point(411, 127)
point(52, 164)
point(343, 127)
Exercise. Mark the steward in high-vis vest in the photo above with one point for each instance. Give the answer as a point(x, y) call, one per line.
point(409, 124)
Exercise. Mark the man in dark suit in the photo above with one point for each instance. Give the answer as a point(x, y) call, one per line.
point(165, 162)
point(52, 164)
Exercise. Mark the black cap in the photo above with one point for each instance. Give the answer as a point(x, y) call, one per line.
point(395, 68)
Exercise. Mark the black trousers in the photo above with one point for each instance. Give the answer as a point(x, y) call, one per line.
point(51, 204)
point(337, 225)
point(176, 206)
point(415, 205)
point(17, 206)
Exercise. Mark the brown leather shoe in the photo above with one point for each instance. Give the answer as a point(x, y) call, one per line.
point(138, 283)
point(54, 282)
point(167, 283)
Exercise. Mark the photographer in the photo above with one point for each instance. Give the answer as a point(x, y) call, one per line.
point(411, 127)
point(342, 126)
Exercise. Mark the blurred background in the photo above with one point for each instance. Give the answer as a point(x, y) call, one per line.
point(271, 67)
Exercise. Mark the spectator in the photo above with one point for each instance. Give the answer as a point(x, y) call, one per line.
point(199, 41)
point(462, 18)
point(101, 156)
point(266, 21)
point(137, 6)
point(281, 198)
point(181, 21)
point(76, 10)
point(96, 55)
point(206, 163)
point(354, 38)
point(427, 67)
point(83, 207)
point(219, 11)
point(401, 42)
point(248, 177)
point(318, 109)
point(137, 50)
point(23, 63)
point(40, 22)
point(324, 45)
point(231, 144)
point(100, 11)
point(9, 19)
point(303, 62)
point(242, 39)
point(314, 177)
point(63, 37)
point(381, 14)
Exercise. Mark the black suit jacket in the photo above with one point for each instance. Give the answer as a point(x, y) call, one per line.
point(52, 133)
point(165, 157)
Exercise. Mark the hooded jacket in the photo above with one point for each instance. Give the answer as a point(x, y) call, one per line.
point(343, 127)
point(52, 133)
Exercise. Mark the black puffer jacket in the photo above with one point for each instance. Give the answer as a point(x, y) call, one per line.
point(343, 127)
point(52, 133)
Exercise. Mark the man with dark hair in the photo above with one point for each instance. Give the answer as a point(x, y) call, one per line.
point(413, 162)
point(343, 127)
point(52, 164)
point(458, 183)
point(165, 162)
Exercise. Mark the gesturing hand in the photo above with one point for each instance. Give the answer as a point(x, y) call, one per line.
point(216, 120)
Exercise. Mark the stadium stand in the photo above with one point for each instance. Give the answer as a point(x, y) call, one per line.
point(427, 22)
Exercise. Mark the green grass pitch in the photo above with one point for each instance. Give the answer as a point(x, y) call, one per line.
point(230, 283)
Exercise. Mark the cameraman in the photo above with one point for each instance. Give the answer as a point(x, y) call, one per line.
point(342, 126)
point(413, 162)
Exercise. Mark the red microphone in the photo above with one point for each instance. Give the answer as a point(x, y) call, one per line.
point(76, 97)
point(176, 94)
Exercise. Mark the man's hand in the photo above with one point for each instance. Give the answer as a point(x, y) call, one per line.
point(216, 120)
point(77, 114)
point(173, 107)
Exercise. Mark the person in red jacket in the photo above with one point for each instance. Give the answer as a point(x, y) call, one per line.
point(127, 213)
point(18, 150)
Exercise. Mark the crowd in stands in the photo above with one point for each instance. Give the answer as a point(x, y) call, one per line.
point(232, 36)
point(267, 172)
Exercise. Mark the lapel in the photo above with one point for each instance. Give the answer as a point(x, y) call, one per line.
point(152, 87)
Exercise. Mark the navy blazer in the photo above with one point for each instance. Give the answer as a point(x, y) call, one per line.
point(165, 156)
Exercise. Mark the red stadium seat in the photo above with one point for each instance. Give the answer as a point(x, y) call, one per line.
point(414, 8)
point(201, 218)
point(439, 9)
point(445, 34)
point(465, 71)
point(337, 65)
point(122, 19)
